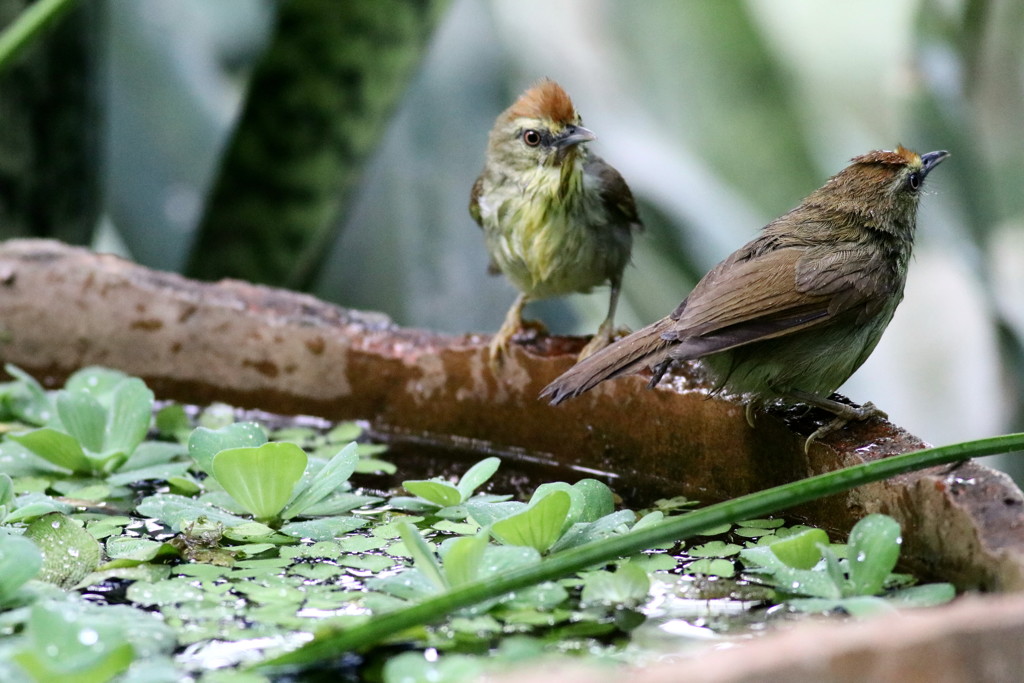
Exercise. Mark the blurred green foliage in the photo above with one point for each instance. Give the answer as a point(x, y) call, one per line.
point(318, 102)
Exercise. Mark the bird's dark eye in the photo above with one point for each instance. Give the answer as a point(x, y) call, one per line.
point(531, 137)
point(914, 180)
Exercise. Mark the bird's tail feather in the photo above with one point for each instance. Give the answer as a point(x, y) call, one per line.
point(629, 355)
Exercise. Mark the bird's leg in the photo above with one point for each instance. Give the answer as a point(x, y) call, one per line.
point(844, 413)
point(513, 323)
point(606, 331)
point(658, 371)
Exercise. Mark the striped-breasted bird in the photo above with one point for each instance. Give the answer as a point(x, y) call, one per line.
point(793, 313)
point(556, 218)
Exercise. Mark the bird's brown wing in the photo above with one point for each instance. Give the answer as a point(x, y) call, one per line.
point(773, 294)
point(619, 204)
point(474, 201)
point(854, 278)
point(474, 211)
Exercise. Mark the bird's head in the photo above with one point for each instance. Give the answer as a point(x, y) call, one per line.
point(541, 128)
point(882, 188)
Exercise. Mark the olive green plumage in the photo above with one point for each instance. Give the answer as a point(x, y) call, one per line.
point(556, 219)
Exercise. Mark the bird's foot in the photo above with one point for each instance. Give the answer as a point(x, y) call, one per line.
point(600, 340)
point(522, 330)
point(605, 335)
point(844, 414)
point(498, 349)
point(531, 329)
point(512, 326)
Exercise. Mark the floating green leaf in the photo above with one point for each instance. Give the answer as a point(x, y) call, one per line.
point(801, 550)
point(32, 505)
point(323, 529)
point(6, 496)
point(180, 511)
point(82, 417)
point(149, 453)
point(713, 549)
point(873, 550)
point(435, 491)
point(463, 557)
point(137, 549)
point(628, 585)
point(414, 667)
point(598, 500)
point(712, 567)
point(538, 526)
point(577, 500)
point(95, 380)
point(59, 448)
point(487, 513)
point(130, 413)
point(261, 479)
point(69, 551)
point(857, 606)
point(343, 432)
point(335, 473)
point(205, 443)
point(101, 430)
point(64, 646)
point(20, 560)
point(28, 400)
point(423, 556)
point(773, 523)
point(165, 472)
point(172, 421)
point(925, 595)
point(581, 533)
point(439, 492)
point(591, 499)
point(476, 476)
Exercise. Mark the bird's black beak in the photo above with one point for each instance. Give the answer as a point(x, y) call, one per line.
point(574, 135)
point(931, 160)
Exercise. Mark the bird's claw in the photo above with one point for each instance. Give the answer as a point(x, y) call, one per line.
point(497, 350)
point(844, 415)
point(596, 343)
point(605, 335)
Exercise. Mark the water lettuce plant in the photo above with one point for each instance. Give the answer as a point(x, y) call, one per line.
point(91, 426)
point(273, 482)
point(20, 560)
point(812, 575)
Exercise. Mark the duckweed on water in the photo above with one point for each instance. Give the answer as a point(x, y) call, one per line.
point(214, 545)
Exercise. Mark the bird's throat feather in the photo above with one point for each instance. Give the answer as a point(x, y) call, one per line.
point(543, 226)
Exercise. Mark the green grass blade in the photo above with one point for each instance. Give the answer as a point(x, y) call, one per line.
point(33, 19)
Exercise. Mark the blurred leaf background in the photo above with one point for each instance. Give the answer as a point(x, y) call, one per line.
point(331, 146)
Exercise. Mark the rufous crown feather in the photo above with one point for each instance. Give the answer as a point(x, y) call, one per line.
point(901, 157)
point(544, 100)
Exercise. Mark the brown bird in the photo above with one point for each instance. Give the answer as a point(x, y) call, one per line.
point(793, 313)
point(556, 218)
